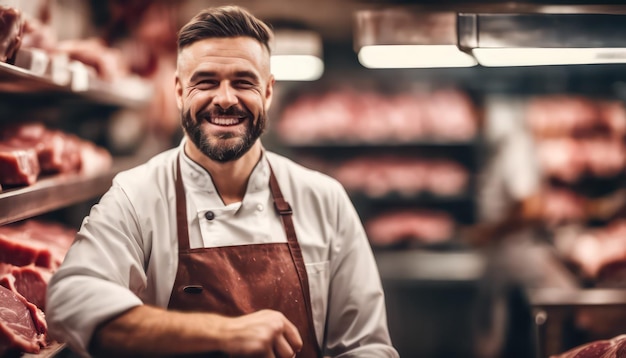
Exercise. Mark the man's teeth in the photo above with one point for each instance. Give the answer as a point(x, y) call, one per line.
point(225, 121)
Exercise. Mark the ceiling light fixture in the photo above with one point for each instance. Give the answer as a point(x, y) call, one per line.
point(297, 55)
point(399, 38)
point(543, 39)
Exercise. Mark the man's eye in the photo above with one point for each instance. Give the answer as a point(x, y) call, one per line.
point(244, 83)
point(206, 83)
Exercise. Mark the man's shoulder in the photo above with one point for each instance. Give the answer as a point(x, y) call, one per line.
point(149, 174)
point(287, 170)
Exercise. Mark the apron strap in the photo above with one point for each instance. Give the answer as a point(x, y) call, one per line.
point(284, 210)
point(181, 210)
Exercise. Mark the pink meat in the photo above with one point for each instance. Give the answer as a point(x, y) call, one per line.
point(18, 249)
point(29, 281)
point(18, 164)
point(446, 177)
point(406, 117)
point(378, 176)
point(50, 152)
point(56, 151)
point(5, 268)
point(421, 226)
point(561, 115)
point(604, 157)
point(71, 154)
point(10, 33)
point(50, 147)
point(22, 325)
point(610, 348)
point(613, 115)
point(57, 237)
point(562, 205)
point(561, 158)
point(450, 115)
point(94, 159)
point(596, 250)
point(33, 242)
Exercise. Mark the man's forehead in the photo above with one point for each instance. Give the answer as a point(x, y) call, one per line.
point(226, 46)
point(225, 50)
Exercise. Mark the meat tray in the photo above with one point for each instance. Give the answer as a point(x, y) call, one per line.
point(53, 350)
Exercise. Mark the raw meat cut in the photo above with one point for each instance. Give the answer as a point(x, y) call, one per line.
point(594, 252)
point(29, 281)
point(94, 159)
point(18, 165)
point(610, 348)
point(367, 116)
point(57, 152)
point(22, 325)
point(561, 115)
point(10, 33)
point(34, 242)
point(53, 151)
point(108, 62)
point(30, 149)
point(18, 249)
point(378, 176)
point(410, 225)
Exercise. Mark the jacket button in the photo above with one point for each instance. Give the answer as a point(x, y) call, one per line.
point(209, 215)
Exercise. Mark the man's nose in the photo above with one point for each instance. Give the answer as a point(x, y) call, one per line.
point(225, 96)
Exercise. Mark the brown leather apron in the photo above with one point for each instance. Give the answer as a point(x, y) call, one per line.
point(237, 280)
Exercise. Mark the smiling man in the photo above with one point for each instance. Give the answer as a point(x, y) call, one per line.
point(220, 247)
point(227, 83)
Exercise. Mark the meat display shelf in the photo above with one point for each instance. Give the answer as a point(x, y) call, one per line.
point(16, 80)
point(420, 197)
point(417, 142)
point(590, 297)
point(552, 309)
point(463, 152)
point(424, 265)
point(55, 192)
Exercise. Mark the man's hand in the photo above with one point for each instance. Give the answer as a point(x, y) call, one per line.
point(264, 333)
point(153, 331)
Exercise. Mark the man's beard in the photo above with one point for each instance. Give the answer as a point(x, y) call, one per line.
point(213, 148)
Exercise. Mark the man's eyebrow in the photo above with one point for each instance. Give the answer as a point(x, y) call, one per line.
point(247, 74)
point(209, 74)
point(202, 74)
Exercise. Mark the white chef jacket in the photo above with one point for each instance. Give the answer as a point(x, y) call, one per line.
point(125, 253)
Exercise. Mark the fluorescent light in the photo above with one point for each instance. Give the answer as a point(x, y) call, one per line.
point(414, 56)
point(296, 67)
point(402, 38)
point(296, 55)
point(539, 39)
point(498, 57)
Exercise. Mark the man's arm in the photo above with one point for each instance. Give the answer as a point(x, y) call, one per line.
point(357, 317)
point(147, 330)
point(92, 303)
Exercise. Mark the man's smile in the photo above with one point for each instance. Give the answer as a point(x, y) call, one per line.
point(225, 120)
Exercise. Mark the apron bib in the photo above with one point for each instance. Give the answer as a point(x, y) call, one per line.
point(242, 279)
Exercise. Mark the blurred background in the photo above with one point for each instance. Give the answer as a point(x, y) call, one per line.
point(482, 143)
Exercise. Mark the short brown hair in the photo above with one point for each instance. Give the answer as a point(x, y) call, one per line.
point(224, 21)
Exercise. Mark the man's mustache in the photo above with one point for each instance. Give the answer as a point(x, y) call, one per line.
point(228, 112)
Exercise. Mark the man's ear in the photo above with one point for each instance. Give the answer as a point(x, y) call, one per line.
point(179, 91)
point(269, 92)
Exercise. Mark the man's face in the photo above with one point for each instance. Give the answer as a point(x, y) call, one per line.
point(223, 90)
